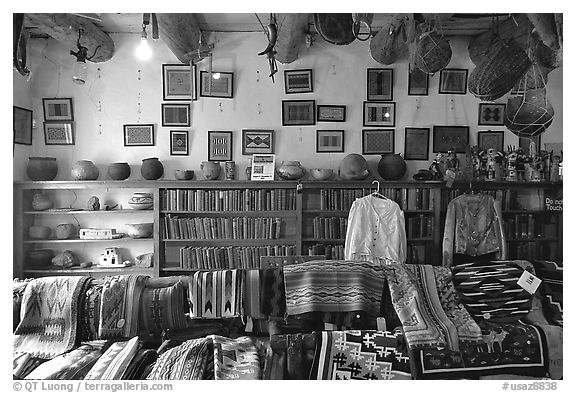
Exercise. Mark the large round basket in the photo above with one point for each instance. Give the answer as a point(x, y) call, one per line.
point(432, 53)
point(389, 44)
point(335, 28)
point(530, 114)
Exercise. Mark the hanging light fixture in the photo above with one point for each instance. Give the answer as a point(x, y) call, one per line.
point(80, 71)
point(143, 50)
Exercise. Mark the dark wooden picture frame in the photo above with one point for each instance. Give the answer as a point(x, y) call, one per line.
point(450, 137)
point(59, 133)
point(298, 81)
point(453, 81)
point(329, 141)
point(139, 135)
point(374, 114)
point(219, 145)
point(22, 120)
point(179, 82)
point(378, 141)
point(524, 143)
point(178, 143)
point(418, 82)
point(257, 142)
point(58, 109)
point(298, 112)
point(491, 114)
point(491, 139)
point(331, 113)
point(223, 87)
point(379, 84)
point(416, 143)
point(175, 115)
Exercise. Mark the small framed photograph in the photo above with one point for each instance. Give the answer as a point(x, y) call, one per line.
point(491, 114)
point(450, 137)
point(58, 109)
point(178, 143)
point(379, 84)
point(329, 141)
point(221, 87)
point(59, 133)
point(417, 82)
point(416, 143)
point(179, 82)
point(257, 142)
point(219, 145)
point(175, 115)
point(453, 81)
point(491, 139)
point(379, 114)
point(22, 125)
point(138, 134)
point(298, 112)
point(331, 113)
point(524, 143)
point(298, 81)
point(377, 141)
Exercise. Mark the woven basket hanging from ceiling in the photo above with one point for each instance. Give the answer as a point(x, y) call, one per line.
point(530, 114)
point(505, 63)
point(389, 44)
point(432, 53)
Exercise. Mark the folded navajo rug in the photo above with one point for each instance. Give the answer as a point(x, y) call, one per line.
point(333, 286)
point(272, 296)
point(235, 358)
point(49, 316)
point(184, 362)
point(215, 294)
point(360, 354)
point(114, 362)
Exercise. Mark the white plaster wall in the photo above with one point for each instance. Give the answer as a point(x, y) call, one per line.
point(110, 97)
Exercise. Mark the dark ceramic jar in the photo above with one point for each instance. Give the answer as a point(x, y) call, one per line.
point(119, 171)
point(152, 168)
point(392, 166)
point(42, 168)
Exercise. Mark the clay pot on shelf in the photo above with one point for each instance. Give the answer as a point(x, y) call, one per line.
point(137, 231)
point(41, 202)
point(38, 259)
point(392, 166)
point(211, 169)
point(40, 232)
point(321, 174)
point(290, 170)
point(119, 171)
point(42, 168)
point(66, 231)
point(353, 167)
point(184, 174)
point(141, 201)
point(152, 168)
point(85, 170)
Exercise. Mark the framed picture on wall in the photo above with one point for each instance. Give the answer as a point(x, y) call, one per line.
point(331, 113)
point(298, 112)
point(379, 114)
point(524, 143)
point(221, 87)
point(138, 134)
point(416, 143)
point(257, 142)
point(179, 82)
point(298, 81)
point(417, 82)
point(491, 114)
point(377, 141)
point(219, 145)
point(175, 115)
point(379, 84)
point(450, 137)
point(59, 133)
point(453, 81)
point(178, 143)
point(329, 141)
point(22, 125)
point(491, 139)
point(58, 109)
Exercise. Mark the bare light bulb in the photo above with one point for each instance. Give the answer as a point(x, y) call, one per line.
point(143, 50)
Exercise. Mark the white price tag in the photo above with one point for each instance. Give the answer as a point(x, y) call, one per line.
point(381, 324)
point(529, 282)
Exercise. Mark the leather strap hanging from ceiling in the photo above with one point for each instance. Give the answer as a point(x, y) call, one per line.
point(19, 45)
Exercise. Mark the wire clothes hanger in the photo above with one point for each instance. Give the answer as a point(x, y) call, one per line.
point(377, 192)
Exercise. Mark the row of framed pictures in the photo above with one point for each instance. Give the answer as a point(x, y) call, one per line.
point(306, 113)
point(179, 83)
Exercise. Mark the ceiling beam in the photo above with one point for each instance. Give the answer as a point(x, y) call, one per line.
point(181, 33)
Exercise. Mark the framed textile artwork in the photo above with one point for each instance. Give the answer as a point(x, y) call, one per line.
point(329, 141)
point(222, 87)
point(417, 82)
point(178, 143)
point(379, 114)
point(298, 81)
point(524, 143)
point(138, 134)
point(491, 114)
point(327, 113)
point(257, 142)
point(491, 139)
point(416, 143)
point(377, 141)
point(22, 125)
point(450, 137)
point(453, 81)
point(219, 145)
point(298, 112)
point(179, 82)
point(379, 84)
point(59, 133)
point(175, 115)
point(57, 109)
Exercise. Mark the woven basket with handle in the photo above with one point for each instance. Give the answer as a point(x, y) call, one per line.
point(432, 53)
point(530, 114)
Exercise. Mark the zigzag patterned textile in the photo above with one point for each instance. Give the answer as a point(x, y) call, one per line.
point(333, 286)
point(215, 294)
point(120, 305)
point(235, 358)
point(426, 303)
point(272, 296)
point(184, 362)
point(49, 316)
point(114, 362)
point(360, 354)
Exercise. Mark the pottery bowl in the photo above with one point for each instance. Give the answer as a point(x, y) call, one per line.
point(321, 174)
point(184, 174)
point(137, 231)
